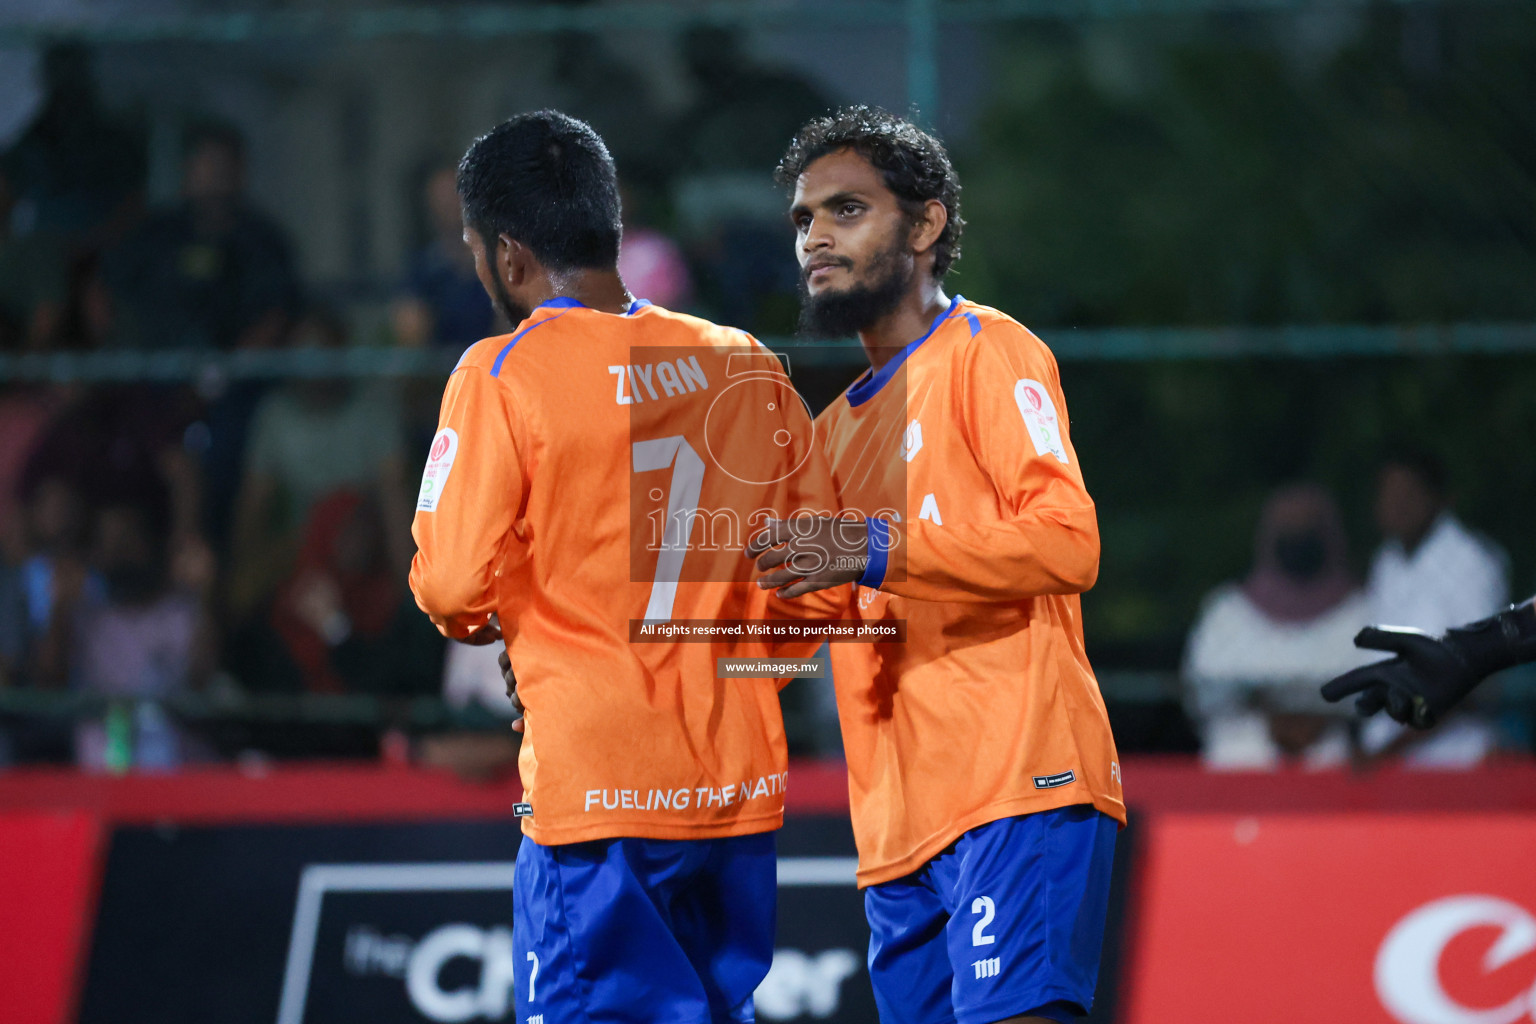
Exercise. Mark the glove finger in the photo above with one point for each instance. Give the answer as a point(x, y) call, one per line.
point(1374, 638)
point(1353, 681)
point(1400, 704)
point(1394, 639)
point(1371, 701)
point(1423, 713)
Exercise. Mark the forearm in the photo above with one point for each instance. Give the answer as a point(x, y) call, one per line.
point(1043, 551)
point(457, 606)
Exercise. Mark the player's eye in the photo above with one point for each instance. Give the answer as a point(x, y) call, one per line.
point(850, 210)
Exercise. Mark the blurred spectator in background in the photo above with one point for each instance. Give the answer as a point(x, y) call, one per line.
point(473, 686)
point(443, 302)
point(25, 415)
point(212, 273)
point(652, 264)
point(78, 170)
point(743, 113)
point(307, 439)
point(146, 638)
point(344, 615)
point(608, 93)
point(731, 215)
point(42, 572)
point(1260, 649)
point(53, 575)
point(1430, 573)
point(32, 281)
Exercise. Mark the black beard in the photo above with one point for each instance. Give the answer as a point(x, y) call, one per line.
point(842, 314)
point(502, 300)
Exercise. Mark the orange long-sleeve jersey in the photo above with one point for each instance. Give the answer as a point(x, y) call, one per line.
point(594, 475)
point(959, 446)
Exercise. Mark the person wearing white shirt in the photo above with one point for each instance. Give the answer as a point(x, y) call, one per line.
point(1260, 647)
point(472, 676)
point(1431, 573)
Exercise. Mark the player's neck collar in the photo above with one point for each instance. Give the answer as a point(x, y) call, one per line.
point(869, 383)
point(566, 302)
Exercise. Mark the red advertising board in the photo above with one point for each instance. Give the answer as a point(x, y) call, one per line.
point(47, 868)
point(1368, 918)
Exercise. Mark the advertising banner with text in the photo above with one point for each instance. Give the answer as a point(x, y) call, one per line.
point(397, 923)
point(1367, 918)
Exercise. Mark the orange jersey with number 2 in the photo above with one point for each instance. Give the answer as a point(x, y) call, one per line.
point(990, 708)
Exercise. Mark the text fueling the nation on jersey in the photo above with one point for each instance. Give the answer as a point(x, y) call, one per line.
point(591, 454)
point(990, 709)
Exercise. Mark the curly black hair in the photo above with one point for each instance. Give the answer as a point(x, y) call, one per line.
point(914, 163)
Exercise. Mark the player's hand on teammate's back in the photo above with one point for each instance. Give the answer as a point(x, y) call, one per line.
point(810, 553)
point(517, 705)
point(1428, 676)
point(486, 634)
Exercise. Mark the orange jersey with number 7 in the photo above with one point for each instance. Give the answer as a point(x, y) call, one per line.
point(959, 447)
point(594, 477)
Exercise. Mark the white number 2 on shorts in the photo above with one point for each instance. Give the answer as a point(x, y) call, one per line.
point(983, 905)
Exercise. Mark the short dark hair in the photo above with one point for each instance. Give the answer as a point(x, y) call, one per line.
point(914, 163)
point(546, 180)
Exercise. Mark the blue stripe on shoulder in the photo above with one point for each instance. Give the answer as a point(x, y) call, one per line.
point(971, 319)
point(502, 355)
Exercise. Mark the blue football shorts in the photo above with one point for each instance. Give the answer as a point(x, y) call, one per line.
point(645, 931)
point(1008, 921)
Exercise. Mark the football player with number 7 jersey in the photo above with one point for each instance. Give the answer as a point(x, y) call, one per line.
point(983, 777)
point(593, 478)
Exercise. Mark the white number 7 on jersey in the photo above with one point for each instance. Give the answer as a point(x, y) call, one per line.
point(682, 503)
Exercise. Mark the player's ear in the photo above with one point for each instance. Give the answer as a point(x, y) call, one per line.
point(929, 226)
point(512, 259)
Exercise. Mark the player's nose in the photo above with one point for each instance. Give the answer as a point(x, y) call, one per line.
point(815, 239)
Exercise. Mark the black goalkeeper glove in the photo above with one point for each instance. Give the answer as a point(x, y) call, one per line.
point(1431, 675)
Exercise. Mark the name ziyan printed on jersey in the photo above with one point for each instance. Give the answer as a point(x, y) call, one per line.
point(686, 797)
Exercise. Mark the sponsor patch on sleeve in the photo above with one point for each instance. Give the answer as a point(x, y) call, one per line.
point(445, 446)
point(1040, 420)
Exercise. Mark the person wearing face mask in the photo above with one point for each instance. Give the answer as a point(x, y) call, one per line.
point(1261, 647)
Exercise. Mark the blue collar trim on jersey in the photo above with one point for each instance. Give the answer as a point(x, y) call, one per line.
point(502, 355)
point(559, 302)
point(869, 384)
point(566, 302)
